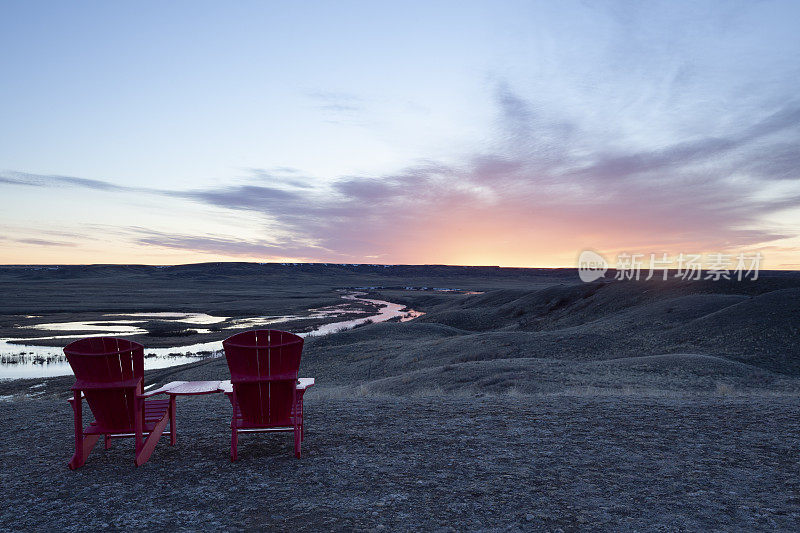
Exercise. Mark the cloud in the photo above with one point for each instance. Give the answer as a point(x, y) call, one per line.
point(679, 156)
point(284, 176)
point(543, 186)
point(221, 245)
point(533, 191)
point(248, 197)
point(43, 242)
point(40, 180)
point(336, 102)
point(282, 170)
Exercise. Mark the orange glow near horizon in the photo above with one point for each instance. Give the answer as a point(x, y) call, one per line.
point(444, 231)
point(450, 253)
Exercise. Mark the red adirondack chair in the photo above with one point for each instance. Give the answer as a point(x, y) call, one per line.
point(110, 376)
point(265, 394)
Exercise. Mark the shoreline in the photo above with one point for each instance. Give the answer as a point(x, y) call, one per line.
point(356, 311)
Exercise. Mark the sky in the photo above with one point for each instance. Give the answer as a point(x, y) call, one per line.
point(475, 133)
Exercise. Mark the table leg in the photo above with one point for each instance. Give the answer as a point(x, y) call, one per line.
point(172, 429)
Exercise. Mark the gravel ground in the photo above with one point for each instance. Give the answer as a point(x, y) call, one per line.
point(559, 462)
point(613, 407)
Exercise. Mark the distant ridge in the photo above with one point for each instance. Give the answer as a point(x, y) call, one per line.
point(245, 268)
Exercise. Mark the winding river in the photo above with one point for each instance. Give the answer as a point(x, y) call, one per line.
point(19, 360)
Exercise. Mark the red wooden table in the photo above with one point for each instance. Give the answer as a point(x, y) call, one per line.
point(184, 388)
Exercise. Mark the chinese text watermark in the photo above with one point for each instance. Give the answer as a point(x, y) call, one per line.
point(715, 266)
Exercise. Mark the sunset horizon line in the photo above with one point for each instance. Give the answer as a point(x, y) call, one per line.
point(644, 267)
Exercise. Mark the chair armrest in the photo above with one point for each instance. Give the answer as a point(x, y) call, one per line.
point(246, 380)
point(304, 383)
point(81, 385)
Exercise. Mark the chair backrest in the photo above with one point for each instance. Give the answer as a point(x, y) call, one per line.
point(264, 365)
point(105, 362)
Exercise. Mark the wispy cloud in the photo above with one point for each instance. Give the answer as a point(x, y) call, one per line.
point(222, 245)
point(542, 185)
point(338, 107)
point(43, 242)
point(534, 185)
point(40, 180)
point(284, 176)
point(336, 101)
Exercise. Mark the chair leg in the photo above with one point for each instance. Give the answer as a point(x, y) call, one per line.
point(149, 445)
point(234, 432)
point(83, 445)
point(107, 442)
point(77, 413)
point(300, 425)
point(297, 441)
point(79, 459)
point(138, 429)
point(234, 444)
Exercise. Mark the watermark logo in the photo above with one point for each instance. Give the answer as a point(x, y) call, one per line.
point(591, 266)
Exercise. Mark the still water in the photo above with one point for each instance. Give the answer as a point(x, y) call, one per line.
point(20, 360)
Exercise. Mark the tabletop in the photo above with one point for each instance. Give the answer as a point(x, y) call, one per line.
point(186, 388)
point(181, 388)
point(194, 387)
